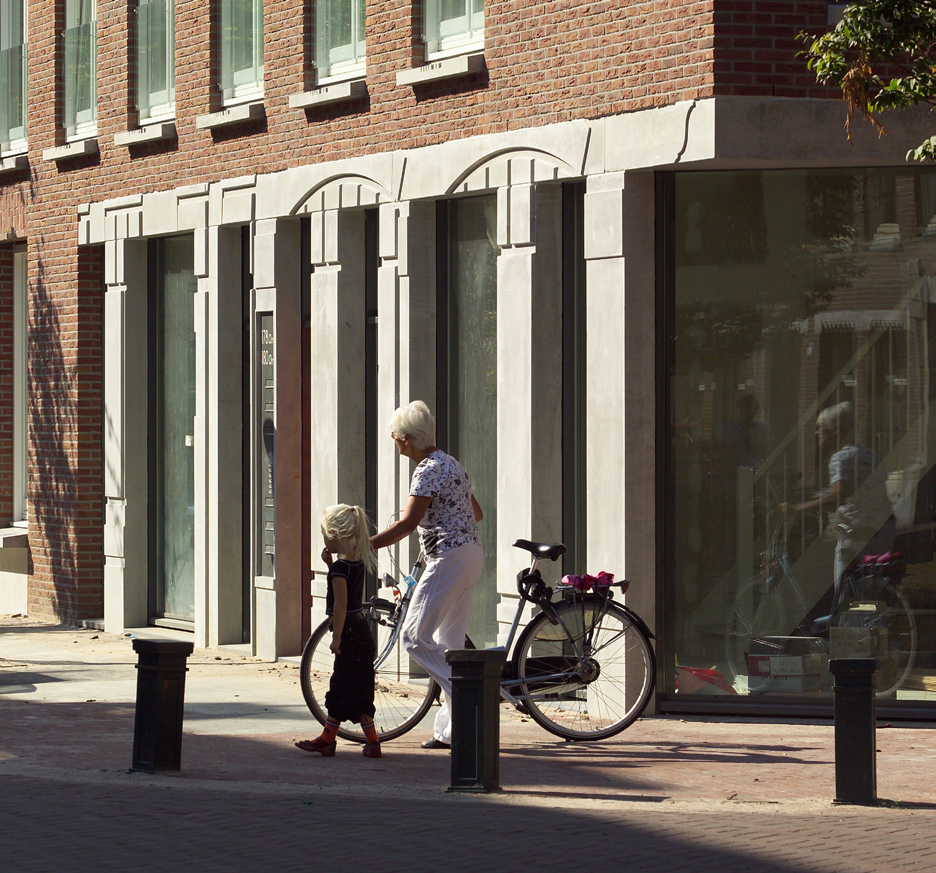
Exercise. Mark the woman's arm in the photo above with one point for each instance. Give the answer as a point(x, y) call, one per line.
point(408, 521)
point(476, 509)
point(340, 590)
point(833, 495)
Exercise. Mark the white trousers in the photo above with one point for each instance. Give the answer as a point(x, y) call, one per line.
point(438, 619)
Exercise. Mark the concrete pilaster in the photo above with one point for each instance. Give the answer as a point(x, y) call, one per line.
point(621, 398)
point(529, 378)
point(406, 340)
point(219, 447)
point(126, 567)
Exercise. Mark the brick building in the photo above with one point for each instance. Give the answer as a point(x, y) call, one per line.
point(235, 235)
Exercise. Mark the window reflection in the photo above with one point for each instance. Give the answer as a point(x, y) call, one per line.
point(796, 293)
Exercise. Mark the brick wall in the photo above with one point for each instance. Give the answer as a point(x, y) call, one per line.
point(756, 48)
point(547, 62)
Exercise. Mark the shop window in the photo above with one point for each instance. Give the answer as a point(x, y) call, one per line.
point(339, 37)
point(453, 26)
point(80, 68)
point(155, 59)
point(241, 49)
point(801, 433)
point(12, 75)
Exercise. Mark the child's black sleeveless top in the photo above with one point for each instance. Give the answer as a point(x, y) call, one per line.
point(355, 573)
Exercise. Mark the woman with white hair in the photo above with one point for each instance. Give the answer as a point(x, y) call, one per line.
point(443, 509)
point(864, 521)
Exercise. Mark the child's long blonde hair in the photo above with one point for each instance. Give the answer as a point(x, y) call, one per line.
point(347, 526)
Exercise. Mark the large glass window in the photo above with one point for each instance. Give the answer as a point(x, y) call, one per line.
point(339, 37)
point(12, 75)
point(241, 48)
point(80, 57)
point(155, 58)
point(454, 25)
point(802, 441)
point(468, 339)
point(173, 433)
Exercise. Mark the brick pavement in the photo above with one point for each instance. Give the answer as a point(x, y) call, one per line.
point(668, 794)
point(134, 821)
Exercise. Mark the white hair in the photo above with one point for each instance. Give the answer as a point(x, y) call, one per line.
point(415, 421)
point(839, 418)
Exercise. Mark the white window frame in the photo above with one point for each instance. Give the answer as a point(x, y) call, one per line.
point(452, 36)
point(15, 141)
point(155, 105)
point(346, 61)
point(20, 390)
point(84, 122)
point(245, 84)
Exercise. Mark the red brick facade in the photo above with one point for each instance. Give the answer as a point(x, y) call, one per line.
point(547, 62)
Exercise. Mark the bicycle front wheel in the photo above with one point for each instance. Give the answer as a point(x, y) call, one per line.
point(757, 613)
point(882, 610)
point(403, 693)
point(589, 676)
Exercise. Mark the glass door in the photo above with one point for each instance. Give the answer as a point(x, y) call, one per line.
point(173, 434)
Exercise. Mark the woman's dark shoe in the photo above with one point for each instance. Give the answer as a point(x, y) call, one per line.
point(436, 744)
point(326, 750)
point(372, 750)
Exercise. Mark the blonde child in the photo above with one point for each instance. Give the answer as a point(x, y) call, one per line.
point(350, 694)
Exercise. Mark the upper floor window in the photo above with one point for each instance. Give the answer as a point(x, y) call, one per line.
point(80, 68)
point(454, 26)
point(12, 75)
point(339, 37)
point(155, 59)
point(241, 49)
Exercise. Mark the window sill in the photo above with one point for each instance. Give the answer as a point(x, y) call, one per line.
point(78, 149)
point(338, 92)
point(148, 133)
point(232, 115)
point(13, 164)
point(445, 68)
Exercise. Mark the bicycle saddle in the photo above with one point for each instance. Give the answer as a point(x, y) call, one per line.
point(542, 550)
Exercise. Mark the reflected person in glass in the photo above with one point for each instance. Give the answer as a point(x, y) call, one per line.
point(863, 522)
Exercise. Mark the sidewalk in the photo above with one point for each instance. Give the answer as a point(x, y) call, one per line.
point(66, 718)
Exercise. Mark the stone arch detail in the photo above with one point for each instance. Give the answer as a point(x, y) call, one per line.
point(514, 166)
point(346, 191)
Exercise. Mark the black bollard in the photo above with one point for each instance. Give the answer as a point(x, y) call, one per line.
point(157, 732)
point(475, 703)
point(855, 752)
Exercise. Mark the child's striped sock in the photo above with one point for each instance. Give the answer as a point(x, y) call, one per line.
point(370, 732)
point(330, 731)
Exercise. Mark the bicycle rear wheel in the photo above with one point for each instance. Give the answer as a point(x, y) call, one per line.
point(588, 677)
point(757, 613)
point(404, 692)
point(880, 607)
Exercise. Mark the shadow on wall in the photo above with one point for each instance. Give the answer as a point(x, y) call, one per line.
point(65, 452)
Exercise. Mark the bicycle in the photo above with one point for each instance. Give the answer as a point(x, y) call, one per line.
point(869, 597)
point(583, 667)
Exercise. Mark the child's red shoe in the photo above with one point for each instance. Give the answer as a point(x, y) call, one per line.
point(372, 750)
point(325, 749)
